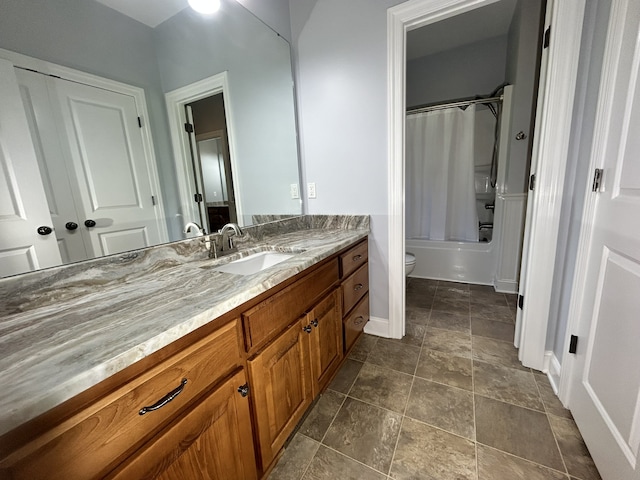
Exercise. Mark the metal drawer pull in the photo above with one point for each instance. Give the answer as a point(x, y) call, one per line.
point(164, 400)
point(358, 287)
point(314, 322)
point(307, 328)
point(358, 320)
point(357, 257)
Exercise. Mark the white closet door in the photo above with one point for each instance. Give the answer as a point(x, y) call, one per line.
point(108, 161)
point(51, 160)
point(23, 204)
point(605, 380)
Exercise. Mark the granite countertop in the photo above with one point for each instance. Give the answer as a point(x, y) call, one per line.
point(61, 337)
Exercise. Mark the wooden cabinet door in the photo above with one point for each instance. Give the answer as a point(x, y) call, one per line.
point(280, 378)
point(326, 340)
point(212, 441)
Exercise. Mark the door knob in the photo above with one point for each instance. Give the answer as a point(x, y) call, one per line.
point(44, 230)
point(71, 225)
point(89, 223)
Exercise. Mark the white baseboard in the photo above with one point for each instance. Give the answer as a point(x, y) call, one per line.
point(505, 286)
point(554, 372)
point(378, 326)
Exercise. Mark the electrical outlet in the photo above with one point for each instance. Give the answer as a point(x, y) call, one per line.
point(311, 189)
point(295, 193)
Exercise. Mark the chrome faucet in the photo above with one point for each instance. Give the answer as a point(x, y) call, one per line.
point(193, 226)
point(228, 232)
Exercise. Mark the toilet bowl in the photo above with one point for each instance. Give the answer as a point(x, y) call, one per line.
point(409, 263)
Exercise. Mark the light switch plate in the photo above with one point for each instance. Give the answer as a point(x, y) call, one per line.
point(311, 189)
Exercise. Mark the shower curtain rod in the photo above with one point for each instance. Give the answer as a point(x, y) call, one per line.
point(461, 103)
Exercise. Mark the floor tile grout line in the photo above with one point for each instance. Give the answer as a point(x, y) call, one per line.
point(475, 423)
point(351, 458)
point(526, 460)
point(509, 403)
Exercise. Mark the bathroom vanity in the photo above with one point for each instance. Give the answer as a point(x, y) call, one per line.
point(208, 384)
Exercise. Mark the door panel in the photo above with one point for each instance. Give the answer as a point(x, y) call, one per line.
point(605, 381)
point(23, 204)
point(281, 388)
point(326, 340)
point(106, 151)
point(51, 161)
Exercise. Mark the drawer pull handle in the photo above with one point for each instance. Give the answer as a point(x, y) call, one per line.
point(358, 287)
point(314, 322)
point(358, 320)
point(307, 328)
point(164, 400)
point(357, 257)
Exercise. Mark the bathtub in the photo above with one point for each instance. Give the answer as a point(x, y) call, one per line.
point(466, 262)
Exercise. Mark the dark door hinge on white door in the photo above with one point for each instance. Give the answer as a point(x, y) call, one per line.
point(153, 199)
point(521, 301)
point(188, 127)
point(140, 122)
point(532, 181)
point(198, 197)
point(573, 344)
point(597, 180)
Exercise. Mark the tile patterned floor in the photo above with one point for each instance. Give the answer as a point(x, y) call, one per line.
point(448, 401)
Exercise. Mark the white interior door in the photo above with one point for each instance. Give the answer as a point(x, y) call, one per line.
point(605, 382)
point(23, 204)
point(53, 169)
point(107, 158)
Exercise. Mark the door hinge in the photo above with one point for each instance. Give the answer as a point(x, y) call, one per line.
point(547, 37)
point(140, 122)
point(153, 199)
point(532, 181)
point(198, 197)
point(597, 180)
point(188, 127)
point(521, 301)
point(243, 390)
point(573, 344)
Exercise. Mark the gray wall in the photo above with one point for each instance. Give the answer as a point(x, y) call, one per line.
point(522, 59)
point(274, 13)
point(341, 50)
point(578, 176)
point(475, 69)
point(90, 37)
point(260, 101)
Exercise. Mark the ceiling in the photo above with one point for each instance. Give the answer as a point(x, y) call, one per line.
point(149, 12)
point(470, 27)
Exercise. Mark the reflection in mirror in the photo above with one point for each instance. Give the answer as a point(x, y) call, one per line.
point(92, 162)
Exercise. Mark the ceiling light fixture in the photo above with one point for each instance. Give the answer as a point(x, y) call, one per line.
point(205, 6)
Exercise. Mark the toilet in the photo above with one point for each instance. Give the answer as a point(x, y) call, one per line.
point(409, 263)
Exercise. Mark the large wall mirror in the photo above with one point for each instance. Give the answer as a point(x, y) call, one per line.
point(98, 152)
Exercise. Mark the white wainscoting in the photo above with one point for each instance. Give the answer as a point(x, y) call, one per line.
point(509, 224)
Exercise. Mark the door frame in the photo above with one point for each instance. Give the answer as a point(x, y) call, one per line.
point(176, 101)
point(66, 73)
point(551, 144)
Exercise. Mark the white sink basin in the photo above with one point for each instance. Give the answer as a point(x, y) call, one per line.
point(254, 263)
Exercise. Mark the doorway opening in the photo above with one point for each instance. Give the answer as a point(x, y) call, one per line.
point(211, 162)
point(471, 91)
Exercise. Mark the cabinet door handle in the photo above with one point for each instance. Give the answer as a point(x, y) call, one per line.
point(307, 328)
point(243, 390)
point(314, 322)
point(358, 287)
point(357, 257)
point(358, 320)
point(164, 400)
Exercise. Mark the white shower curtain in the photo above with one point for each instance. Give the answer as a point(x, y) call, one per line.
point(440, 188)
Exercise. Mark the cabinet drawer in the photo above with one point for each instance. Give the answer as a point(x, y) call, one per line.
point(355, 322)
point(271, 316)
point(92, 442)
point(354, 287)
point(353, 259)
